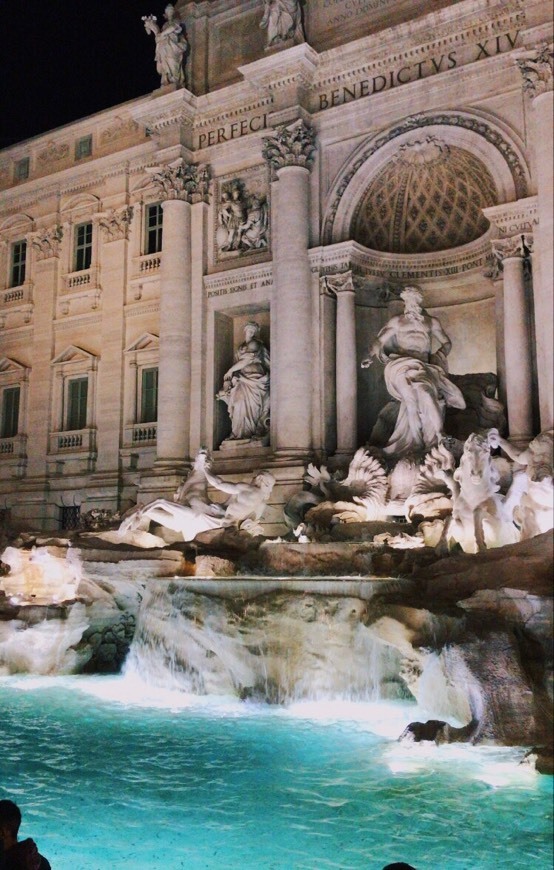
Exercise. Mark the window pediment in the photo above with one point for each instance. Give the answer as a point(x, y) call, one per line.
point(147, 341)
point(74, 354)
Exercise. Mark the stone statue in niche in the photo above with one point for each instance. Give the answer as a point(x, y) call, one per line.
point(242, 219)
point(246, 389)
point(283, 21)
point(192, 512)
point(171, 46)
point(415, 375)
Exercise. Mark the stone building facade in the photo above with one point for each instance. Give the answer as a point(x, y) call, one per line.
point(299, 180)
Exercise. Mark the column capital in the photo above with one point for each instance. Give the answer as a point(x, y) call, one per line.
point(187, 182)
point(290, 145)
point(115, 223)
point(537, 68)
point(46, 242)
point(335, 285)
point(513, 247)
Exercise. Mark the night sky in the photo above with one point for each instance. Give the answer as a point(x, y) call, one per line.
point(61, 60)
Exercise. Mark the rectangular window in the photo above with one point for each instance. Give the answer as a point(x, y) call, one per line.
point(22, 169)
point(149, 396)
point(70, 517)
point(18, 260)
point(10, 412)
point(83, 247)
point(83, 147)
point(77, 404)
point(154, 220)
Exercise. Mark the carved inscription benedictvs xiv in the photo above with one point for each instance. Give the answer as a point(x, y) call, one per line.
point(419, 70)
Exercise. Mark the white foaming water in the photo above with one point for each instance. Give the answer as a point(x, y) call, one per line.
point(302, 647)
point(44, 648)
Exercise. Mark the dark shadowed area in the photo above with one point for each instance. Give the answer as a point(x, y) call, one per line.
point(65, 59)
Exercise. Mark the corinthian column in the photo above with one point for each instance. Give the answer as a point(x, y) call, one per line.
point(290, 151)
point(179, 183)
point(346, 370)
point(536, 67)
point(517, 340)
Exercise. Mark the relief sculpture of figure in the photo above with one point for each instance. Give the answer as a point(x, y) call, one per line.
point(283, 20)
point(254, 230)
point(246, 388)
point(415, 375)
point(232, 216)
point(171, 46)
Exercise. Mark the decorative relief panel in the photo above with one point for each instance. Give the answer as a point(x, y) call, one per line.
point(243, 214)
point(53, 153)
point(122, 128)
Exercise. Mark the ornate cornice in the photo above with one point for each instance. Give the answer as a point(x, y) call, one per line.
point(115, 223)
point(537, 68)
point(181, 180)
point(46, 242)
point(514, 217)
point(290, 145)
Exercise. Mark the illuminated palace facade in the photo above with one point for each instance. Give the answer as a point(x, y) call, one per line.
point(300, 185)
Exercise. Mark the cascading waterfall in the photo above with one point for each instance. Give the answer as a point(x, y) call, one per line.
point(279, 647)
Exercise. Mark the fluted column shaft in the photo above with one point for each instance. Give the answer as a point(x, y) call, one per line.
point(175, 335)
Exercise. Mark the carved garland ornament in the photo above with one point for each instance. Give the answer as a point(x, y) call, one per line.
point(46, 243)
point(416, 122)
point(180, 180)
point(290, 145)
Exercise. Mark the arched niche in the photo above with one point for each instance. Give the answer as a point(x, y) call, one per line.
point(484, 146)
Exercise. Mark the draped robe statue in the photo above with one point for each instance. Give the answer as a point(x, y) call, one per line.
point(415, 375)
point(246, 388)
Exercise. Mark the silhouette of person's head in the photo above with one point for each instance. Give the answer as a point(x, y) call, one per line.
point(400, 865)
point(10, 820)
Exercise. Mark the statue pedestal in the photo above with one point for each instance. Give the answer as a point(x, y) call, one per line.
point(236, 446)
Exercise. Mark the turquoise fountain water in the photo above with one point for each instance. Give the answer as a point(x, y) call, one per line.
point(112, 774)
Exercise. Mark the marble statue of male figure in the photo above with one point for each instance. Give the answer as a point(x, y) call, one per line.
point(413, 347)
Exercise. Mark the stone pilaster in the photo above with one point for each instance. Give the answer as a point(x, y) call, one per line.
point(346, 371)
point(536, 67)
point(114, 230)
point(517, 337)
point(179, 184)
point(290, 151)
point(45, 245)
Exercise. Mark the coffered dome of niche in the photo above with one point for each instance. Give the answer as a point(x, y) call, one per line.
point(427, 198)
